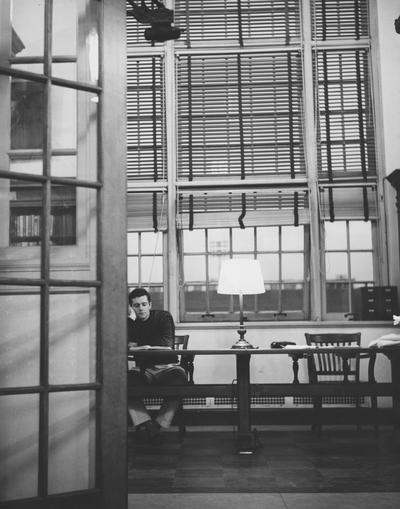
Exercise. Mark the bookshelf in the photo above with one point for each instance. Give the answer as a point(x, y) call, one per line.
point(26, 215)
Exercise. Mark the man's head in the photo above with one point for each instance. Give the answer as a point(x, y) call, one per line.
point(140, 302)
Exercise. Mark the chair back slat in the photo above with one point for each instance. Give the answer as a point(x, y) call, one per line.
point(328, 366)
point(181, 342)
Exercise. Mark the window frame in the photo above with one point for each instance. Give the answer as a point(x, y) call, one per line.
point(309, 45)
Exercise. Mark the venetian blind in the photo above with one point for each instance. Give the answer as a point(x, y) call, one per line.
point(237, 21)
point(235, 209)
point(240, 115)
point(346, 129)
point(145, 119)
point(334, 19)
point(147, 211)
point(348, 203)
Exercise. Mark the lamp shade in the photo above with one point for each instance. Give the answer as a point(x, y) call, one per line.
point(240, 276)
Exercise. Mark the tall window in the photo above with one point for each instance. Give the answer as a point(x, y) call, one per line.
point(262, 119)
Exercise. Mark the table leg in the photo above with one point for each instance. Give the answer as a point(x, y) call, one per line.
point(295, 366)
point(245, 438)
point(395, 365)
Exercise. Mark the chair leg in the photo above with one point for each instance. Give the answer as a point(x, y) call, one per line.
point(358, 413)
point(316, 426)
point(374, 406)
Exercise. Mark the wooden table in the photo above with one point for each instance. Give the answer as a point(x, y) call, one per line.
point(243, 387)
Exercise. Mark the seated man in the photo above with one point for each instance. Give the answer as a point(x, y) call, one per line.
point(153, 328)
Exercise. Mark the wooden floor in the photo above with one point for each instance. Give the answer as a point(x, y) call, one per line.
point(286, 461)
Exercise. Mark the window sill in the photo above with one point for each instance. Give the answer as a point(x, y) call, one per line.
point(345, 324)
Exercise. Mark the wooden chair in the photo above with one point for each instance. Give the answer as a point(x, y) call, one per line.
point(186, 362)
point(330, 368)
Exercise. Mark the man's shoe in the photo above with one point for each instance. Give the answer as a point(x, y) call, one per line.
point(142, 435)
point(154, 432)
point(149, 431)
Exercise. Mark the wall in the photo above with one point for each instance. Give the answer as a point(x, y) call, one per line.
point(386, 45)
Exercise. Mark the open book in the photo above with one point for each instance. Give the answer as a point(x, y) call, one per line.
point(148, 347)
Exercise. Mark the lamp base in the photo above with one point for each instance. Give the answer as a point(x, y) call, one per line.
point(241, 342)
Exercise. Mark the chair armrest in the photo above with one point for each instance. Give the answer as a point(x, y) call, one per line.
point(187, 364)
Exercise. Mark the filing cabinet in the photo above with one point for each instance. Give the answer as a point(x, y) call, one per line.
point(375, 303)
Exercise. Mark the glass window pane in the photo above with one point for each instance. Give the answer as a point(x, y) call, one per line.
point(20, 229)
point(28, 28)
point(361, 266)
point(335, 235)
point(75, 26)
point(19, 446)
point(72, 335)
point(65, 17)
point(19, 338)
point(27, 113)
point(32, 165)
point(194, 268)
point(73, 232)
point(269, 266)
point(243, 240)
point(157, 297)
point(195, 298)
point(248, 303)
point(64, 118)
point(292, 266)
point(64, 166)
point(71, 441)
point(267, 238)
point(74, 119)
point(218, 240)
point(269, 301)
point(336, 266)
point(218, 302)
point(360, 235)
point(133, 270)
point(194, 241)
point(65, 70)
point(132, 243)
point(151, 270)
point(63, 215)
point(337, 298)
point(292, 297)
point(214, 266)
point(151, 243)
point(292, 238)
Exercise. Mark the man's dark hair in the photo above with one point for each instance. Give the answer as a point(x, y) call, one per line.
point(139, 292)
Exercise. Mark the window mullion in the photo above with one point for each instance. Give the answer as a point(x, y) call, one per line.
point(172, 276)
point(45, 261)
point(310, 148)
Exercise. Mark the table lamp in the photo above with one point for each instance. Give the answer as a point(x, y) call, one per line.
point(241, 276)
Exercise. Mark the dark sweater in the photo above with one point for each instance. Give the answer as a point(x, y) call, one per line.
point(157, 330)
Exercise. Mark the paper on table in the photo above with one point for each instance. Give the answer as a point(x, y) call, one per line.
point(386, 340)
point(297, 347)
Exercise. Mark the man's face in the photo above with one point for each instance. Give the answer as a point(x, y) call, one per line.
point(141, 306)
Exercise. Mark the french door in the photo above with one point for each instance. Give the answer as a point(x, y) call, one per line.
point(62, 254)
